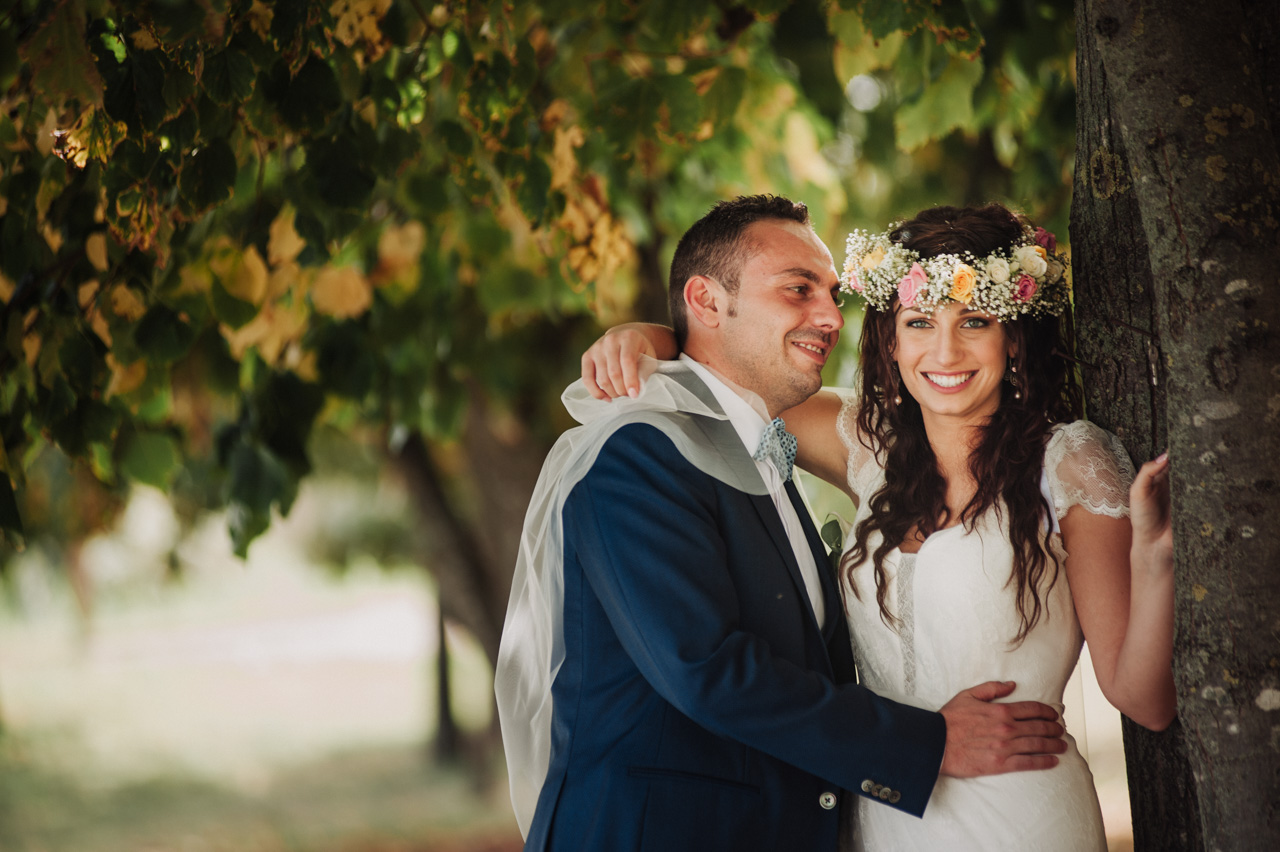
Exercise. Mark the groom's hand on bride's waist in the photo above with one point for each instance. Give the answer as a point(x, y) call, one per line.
point(985, 738)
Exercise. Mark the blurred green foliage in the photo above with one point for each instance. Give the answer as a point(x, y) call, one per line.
point(225, 222)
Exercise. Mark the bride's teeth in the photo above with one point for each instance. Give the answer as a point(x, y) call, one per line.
point(949, 381)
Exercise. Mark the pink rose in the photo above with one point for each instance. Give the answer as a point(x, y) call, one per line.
point(911, 284)
point(855, 281)
point(1026, 288)
point(1046, 240)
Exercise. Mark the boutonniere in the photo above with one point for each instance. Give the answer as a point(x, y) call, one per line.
point(832, 535)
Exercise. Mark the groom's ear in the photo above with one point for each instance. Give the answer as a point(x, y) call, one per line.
point(705, 301)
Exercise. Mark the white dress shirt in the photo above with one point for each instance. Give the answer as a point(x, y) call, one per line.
point(747, 413)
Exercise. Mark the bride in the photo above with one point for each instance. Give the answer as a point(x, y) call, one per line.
point(995, 530)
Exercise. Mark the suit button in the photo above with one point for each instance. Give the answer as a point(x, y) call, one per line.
point(866, 786)
point(893, 800)
point(827, 800)
point(885, 793)
point(875, 789)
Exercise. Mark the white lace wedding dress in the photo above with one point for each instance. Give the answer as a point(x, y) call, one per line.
point(957, 622)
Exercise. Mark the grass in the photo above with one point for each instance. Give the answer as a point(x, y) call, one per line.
point(370, 799)
point(258, 707)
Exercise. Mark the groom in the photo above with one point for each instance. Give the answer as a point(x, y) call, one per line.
point(706, 698)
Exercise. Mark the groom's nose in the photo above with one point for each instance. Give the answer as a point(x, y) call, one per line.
point(826, 313)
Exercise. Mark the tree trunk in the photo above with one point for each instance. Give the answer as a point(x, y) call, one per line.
point(472, 515)
point(1175, 252)
point(447, 744)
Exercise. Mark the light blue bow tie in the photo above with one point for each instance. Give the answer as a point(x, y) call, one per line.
point(779, 446)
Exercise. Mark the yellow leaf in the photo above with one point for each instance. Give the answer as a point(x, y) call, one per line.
point(358, 19)
point(194, 280)
point(284, 244)
point(554, 113)
point(125, 378)
point(282, 280)
point(564, 159)
point(7, 286)
point(243, 275)
point(125, 303)
point(95, 248)
point(804, 155)
point(87, 292)
point(302, 362)
point(52, 237)
point(45, 136)
point(260, 16)
point(144, 40)
point(98, 323)
point(341, 292)
point(271, 330)
point(31, 345)
point(400, 247)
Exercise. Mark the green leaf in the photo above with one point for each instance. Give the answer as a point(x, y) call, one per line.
point(152, 458)
point(162, 335)
point(307, 100)
point(10, 518)
point(8, 60)
point(176, 20)
point(342, 173)
point(89, 422)
point(455, 137)
point(209, 177)
point(227, 308)
point(535, 190)
point(61, 63)
point(945, 104)
point(724, 96)
point(833, 534)
point(256, 481)
point(285, 408)
point(684, 108)
point(228, 76)
point(345, 361)
point(135, 92)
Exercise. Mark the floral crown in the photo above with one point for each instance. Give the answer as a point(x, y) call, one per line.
point(1027, 278)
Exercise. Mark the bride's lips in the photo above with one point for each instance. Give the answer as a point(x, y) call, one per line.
point(949, 382)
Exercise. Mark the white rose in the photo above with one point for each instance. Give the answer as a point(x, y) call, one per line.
point(1031, 261)
point(998, 270)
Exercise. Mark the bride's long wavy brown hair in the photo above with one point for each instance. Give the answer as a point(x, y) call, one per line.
point(1007, 461)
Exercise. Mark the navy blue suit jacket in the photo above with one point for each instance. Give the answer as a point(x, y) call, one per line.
point(699, 705)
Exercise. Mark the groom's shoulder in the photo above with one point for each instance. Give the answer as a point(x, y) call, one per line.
point(655, 435)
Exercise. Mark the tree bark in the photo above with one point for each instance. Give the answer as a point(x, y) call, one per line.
point(1175, 229)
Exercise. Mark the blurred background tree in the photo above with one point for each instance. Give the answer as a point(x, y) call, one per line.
point(229, 228)
point(227, 222)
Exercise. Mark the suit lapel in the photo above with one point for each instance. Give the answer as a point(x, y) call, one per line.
point(722, 436)
point(830, 591)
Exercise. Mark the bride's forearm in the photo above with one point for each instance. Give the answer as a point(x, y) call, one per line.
point(660, 337)
point(1142, 685)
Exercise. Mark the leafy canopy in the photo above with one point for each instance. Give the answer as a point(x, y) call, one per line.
point(222, 222)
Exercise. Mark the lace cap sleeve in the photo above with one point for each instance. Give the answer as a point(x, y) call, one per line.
point(1088, 466)
point(862, 468)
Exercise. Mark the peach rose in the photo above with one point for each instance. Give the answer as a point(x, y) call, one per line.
point(962, 283)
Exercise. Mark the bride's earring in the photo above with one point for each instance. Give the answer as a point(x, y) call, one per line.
point(1011, 376)
point(897, 396)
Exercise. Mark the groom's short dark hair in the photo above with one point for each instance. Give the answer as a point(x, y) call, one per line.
point(716, 247)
